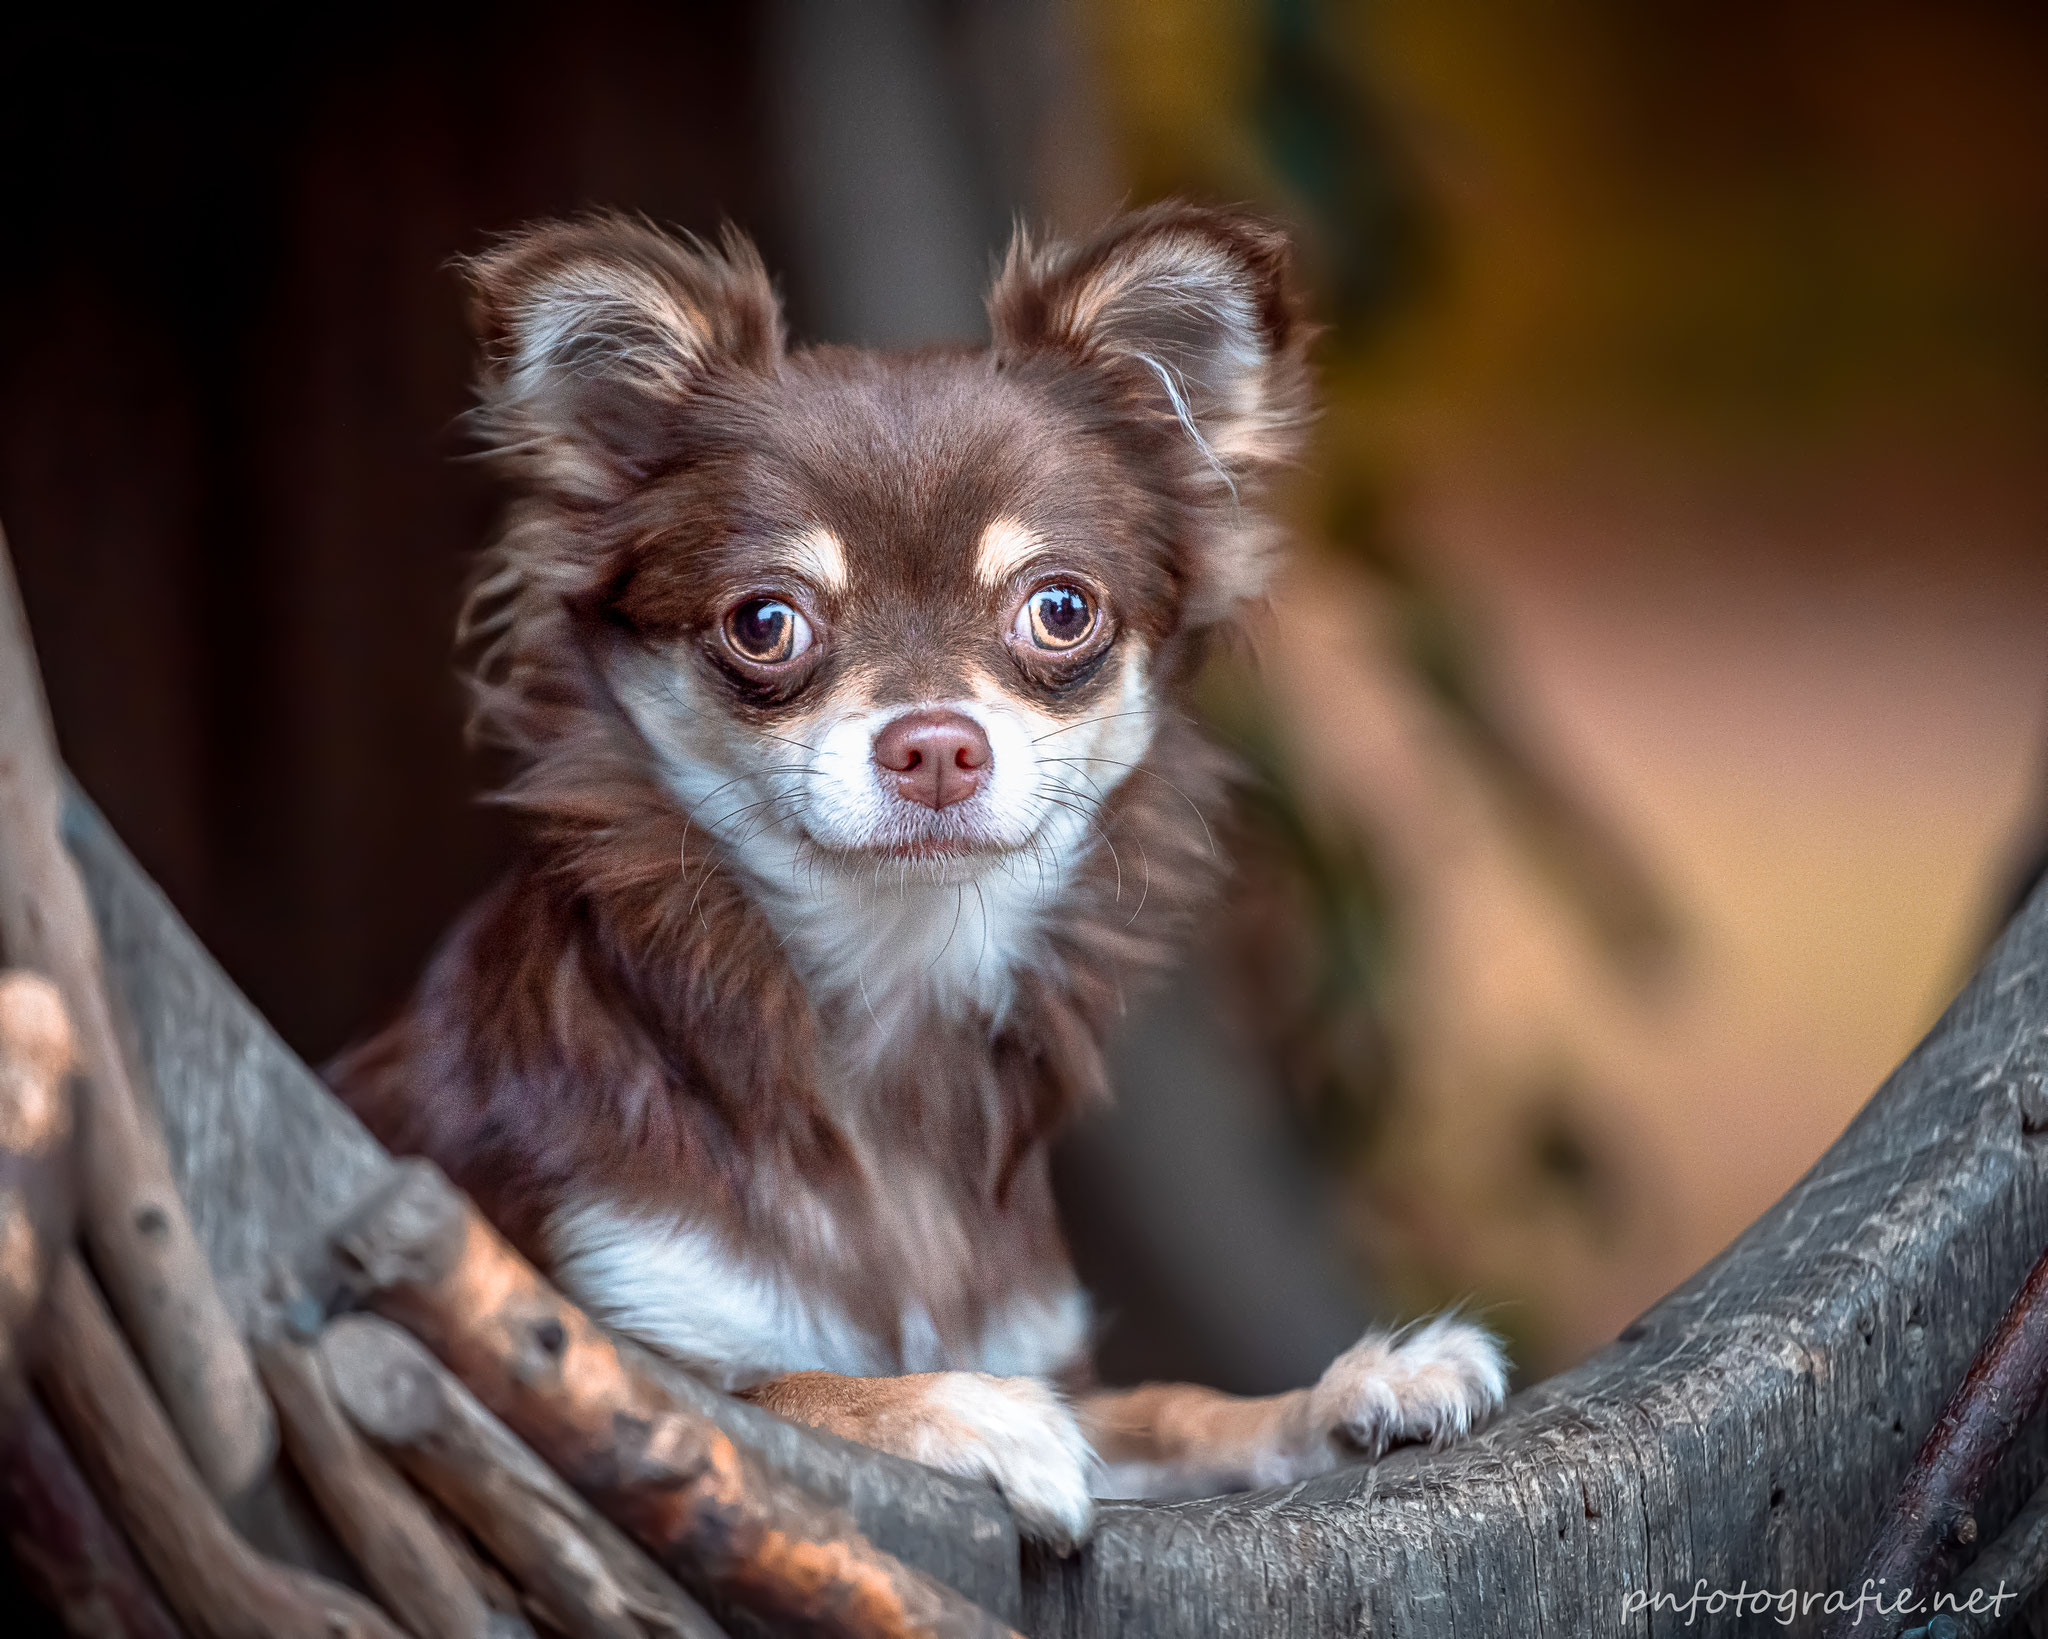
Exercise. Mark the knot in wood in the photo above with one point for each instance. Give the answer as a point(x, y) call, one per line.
point(2033, 1094)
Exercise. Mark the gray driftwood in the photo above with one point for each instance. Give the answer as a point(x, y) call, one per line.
point(588, 1578)
point(408, 1558)
point(213, 1581)
point(1748, 1429)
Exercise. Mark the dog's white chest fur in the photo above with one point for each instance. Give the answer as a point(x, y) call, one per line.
point(889, 949)
point(678, 1287)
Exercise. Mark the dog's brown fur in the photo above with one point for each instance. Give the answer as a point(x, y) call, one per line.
point(644, 1015)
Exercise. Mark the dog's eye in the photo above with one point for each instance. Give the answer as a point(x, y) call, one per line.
point(766, 631)
point(1057, 618)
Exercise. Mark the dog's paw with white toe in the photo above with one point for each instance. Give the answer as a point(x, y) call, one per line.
point(1433, 1384)
point(1014, 1434)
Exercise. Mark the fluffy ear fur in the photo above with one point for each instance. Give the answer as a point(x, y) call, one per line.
point(1197, 310)
point(596, 332)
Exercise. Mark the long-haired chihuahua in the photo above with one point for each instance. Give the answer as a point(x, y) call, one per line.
point(845, 696)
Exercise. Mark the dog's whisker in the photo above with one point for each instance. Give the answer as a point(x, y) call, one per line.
point(959, 901)
point(1105, 717)
point(690, 810)
point(1145, 890)
point(980, 955)
point(1094, 785)
point(1152, 774)
point(1081, 809)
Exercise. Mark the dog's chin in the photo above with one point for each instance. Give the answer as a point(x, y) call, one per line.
point(942, 852)
point(939, 849)
point(947, 859)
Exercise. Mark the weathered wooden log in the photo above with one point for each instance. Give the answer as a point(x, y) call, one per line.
point(423, 1255)
point(584, 1576)
point(142, 1243)
point(36, 1054)
point(267, 1157)
point(219, 1587)
point(1932, 1523)
point(400, 1547)
point(68, 1553)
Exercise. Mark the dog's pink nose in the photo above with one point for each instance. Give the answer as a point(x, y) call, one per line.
point(933, 757)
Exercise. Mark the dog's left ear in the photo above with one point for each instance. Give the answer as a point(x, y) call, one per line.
point(1194, 312)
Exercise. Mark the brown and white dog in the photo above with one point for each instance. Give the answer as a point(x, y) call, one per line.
point(844, 691)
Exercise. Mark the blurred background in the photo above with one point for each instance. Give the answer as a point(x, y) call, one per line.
point(1648, 738)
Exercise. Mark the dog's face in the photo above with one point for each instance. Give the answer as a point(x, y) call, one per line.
point(906, 611)
point(921, 611)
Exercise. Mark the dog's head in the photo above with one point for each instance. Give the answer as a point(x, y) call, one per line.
point(926, 608)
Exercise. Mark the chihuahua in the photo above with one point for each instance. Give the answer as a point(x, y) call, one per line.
point(845, 697)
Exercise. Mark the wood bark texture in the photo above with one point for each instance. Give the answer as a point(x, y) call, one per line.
point(508, 1610)
point(585, 1578)
point(134, 1222)
point(37, 1051)
point(216, 1584)
point(1933, 1523)
point(424, 1256)
point(404, 1555)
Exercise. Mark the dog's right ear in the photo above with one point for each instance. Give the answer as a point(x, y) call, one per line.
point(597, 333)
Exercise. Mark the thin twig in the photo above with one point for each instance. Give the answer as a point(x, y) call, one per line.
point(1932, 1521)
point(2000, 1583)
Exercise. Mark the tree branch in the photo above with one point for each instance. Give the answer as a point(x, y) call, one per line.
point(36, 1053)
point(219, 1587)
point(133, 1221)
point(1932, 1520)
point(707, 1511)
point(2000, 1581)
point(583, 1575)
point(404, 1556)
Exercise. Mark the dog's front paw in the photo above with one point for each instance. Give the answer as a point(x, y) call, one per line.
point(1015, 1434)
point(1433, 1384)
